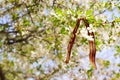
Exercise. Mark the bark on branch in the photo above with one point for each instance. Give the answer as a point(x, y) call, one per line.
point(92, 45)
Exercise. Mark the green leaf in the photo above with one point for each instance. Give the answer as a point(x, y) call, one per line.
point(106, 63)
point(11, 63)
point(98, 43)
point(26, 22)
point(1, 28)
point(50, 38)
point(14, 16)
point(89, 12)
point(60, 56)
point(5, 55)
point(117, 75)
point(99, 21)
point(62, 30)
point(89, 73)
point(117, 51)
point(117, 20)
point(6, 25)
point(48, 31)
point(118, 65)
point(59, 11)
point(1, 43)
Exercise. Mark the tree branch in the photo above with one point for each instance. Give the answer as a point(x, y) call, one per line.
point(92, 46)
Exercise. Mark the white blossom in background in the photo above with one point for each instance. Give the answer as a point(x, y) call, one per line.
point(49, 66)
point(66, 77)
point(33, 54)
point(46, 12)
point(107, 54)
point(105, 36)
point(90, 38)
point(69, 5)
point(113, 4)
point(69, 12)
point(52, 12)
point(55, 78)
point(73, 18)
point(84, 34)
point(34, 65)
point(1, 0)
point(78, 73)
point(102, 72)
point(90, 28)
point(51, 2)
point(42, 61)
point(62, 77)
point(30, 79)
point(37, 73)
point(102, 17)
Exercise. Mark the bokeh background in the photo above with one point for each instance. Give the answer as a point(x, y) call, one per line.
point(34, 35)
